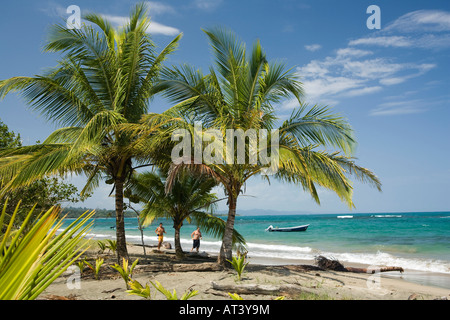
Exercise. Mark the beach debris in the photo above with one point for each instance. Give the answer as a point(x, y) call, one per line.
point(56, 297)
point(166, 245)
point(112, 290)
point(255, 289)
point(414, 296)
point(374, 270)
point(329, 264)
point(335, 265)
point(180, 267)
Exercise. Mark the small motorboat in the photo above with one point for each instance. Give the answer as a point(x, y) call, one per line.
point(289, 229)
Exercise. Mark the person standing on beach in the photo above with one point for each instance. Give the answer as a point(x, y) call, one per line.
point(160, 232)
point(196, 236)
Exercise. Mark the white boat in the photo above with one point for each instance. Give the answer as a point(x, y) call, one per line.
point(289, 229)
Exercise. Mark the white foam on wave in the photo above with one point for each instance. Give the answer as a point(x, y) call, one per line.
point(386, 216)
point(302, 253)
point(386, 259)
point(344, 217)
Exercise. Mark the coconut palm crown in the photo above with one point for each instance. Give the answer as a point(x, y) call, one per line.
point(242, 91)
point(104, 79)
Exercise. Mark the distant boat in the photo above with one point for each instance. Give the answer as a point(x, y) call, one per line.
point(290, 229)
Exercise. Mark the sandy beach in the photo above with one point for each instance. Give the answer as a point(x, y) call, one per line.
point(259, 282)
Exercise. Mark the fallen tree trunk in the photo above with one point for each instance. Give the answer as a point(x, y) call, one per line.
point(374, 270)
point(335, 265)
point(255, 289)
point(206, 266)
point(180, 267)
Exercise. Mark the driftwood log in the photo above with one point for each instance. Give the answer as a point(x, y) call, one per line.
point(255, 289)
point(180, 267)
point(335, 265)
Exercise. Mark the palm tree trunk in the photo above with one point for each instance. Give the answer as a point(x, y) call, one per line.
point(122, 251)
point(227, 241)
point(178, 249)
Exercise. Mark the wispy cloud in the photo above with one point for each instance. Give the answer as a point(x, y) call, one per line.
point(154, 27)
point(383, 41)
point(158, 8)
point(426, 29)
point(421, 21)
point(407, 104)
point(362, 91)
point(357, 71)
point(207, 5)
point(399, 108)
point(313, 47)
point(352, 72)
point(155, 9)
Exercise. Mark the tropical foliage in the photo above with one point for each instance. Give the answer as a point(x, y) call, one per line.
point(104, 79)
point(100, 91)
point(31, 260)
point(241, 92)
point(190, 199)
point(239, 264)
point(125, 270)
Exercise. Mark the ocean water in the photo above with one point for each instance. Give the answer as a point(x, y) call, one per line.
point(418, 242)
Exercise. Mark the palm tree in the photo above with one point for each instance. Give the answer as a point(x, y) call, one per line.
point(190, 199)
point(241, 92)
point(105, 79)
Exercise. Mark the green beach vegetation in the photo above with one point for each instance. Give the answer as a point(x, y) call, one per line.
point(190, 199)
point(33, 256)
point(104, 79)
point(100, 96)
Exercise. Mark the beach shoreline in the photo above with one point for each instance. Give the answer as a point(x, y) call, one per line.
point(306, 283)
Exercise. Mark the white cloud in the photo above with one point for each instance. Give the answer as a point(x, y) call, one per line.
point(350, 73)
point(398, 108)
point(313, 47)
point(207, 5)
point(422, 21)
point(158, 28)
point(385, 41)
point(157, 8)
point(405, 104)
point(324, 87)
point(154, 27)
point(362, 91)
point(426, 29)
point(346, 52)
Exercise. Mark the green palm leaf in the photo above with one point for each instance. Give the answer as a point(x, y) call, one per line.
point(35, 256)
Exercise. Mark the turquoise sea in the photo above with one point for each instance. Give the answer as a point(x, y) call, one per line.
point(418, 242)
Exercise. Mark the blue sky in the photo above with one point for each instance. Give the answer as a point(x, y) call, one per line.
point(392, 83)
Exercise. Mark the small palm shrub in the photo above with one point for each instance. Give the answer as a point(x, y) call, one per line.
point(96, 269)
point(239, 264)
point(101, 245)
point(137, 289)
point(125, 271)
point(112, 245)
point(173, 295)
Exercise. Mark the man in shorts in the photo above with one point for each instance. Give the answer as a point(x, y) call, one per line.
point(160, 232)
point(196, 236)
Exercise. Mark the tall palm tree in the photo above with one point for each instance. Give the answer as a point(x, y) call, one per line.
point(190, 199)
point(241, 92)
point(104, 79)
